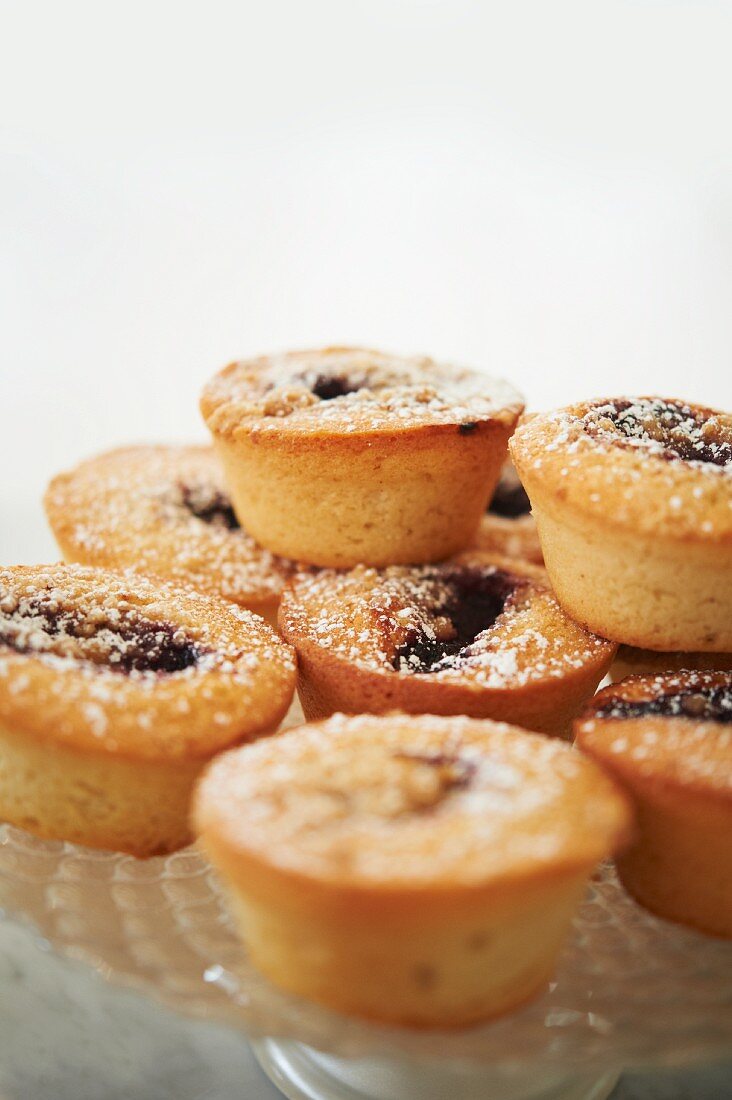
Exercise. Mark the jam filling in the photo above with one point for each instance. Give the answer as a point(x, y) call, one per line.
point(509, 500)
point(209, 505)
point(122, 643)
point(328, 386)
point(473, 600)
point(455, 772)
point(704, 703)
point(680, 431)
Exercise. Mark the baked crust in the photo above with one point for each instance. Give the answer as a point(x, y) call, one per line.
point(163, 511)
point(529, 664)
point(634, 482)
point(274, 395)
point(418, 870)
point(66, 632)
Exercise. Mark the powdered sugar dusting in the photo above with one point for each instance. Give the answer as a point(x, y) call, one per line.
point(412, 799)
point(669, 429)
point(163, 511)
point(677, 725)
point(649, 465)
point(85, 652)
point(372, 617)
point(354, 390)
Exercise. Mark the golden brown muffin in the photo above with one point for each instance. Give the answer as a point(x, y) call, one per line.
point(113, 695)
point(508, 528)
point(165, 512)
point(633, 501)
point(345, 455)
point(480, 635)
point(643, 662)
point(668, 741)
point(416, 870)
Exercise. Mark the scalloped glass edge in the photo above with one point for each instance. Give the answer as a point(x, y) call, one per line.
point(630, 989)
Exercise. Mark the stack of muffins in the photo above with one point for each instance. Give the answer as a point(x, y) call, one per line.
point(416, 851)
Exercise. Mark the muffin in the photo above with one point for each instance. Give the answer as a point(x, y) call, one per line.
point(413, 870)
point(165, 512)
point(633, 502)
point(508, 528)
point(114, 693)
point(345, 455)
point(480, 635)
point(668, 741)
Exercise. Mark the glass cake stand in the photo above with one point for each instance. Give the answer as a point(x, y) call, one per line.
point(630, 990)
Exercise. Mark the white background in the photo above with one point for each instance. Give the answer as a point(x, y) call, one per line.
point(539, 188)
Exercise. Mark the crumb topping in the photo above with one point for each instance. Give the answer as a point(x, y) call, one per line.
point(50, 623)
point(675, 726)
point(354, 390)
point(699, 702)
point(108, 623)
point(475, 620)
point(670, 429)
point(88, 656)
point(163, 511)
point(650, 465)
point(389, 800)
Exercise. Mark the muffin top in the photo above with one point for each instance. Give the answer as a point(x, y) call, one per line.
point(114, 663)
point(478, 620)
point(674, 729)
point(411, 802)
point(353, 391)
point(652, 463)
point(163, 511)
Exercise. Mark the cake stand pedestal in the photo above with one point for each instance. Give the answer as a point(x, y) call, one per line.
point(630, 991)
point(302, 1073)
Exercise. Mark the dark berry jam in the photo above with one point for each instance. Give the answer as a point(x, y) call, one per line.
point(209, 505)
point(472, 601)
point(703, 703)
point(456, 773)
point(509, 501)
point(123, 643)
point(329, 386)
point(677, 430)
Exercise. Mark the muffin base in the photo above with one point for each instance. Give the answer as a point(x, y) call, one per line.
point(384, 499)
point(680, 866)
point(646, 592)
point(101, 801)
point(395, 959)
